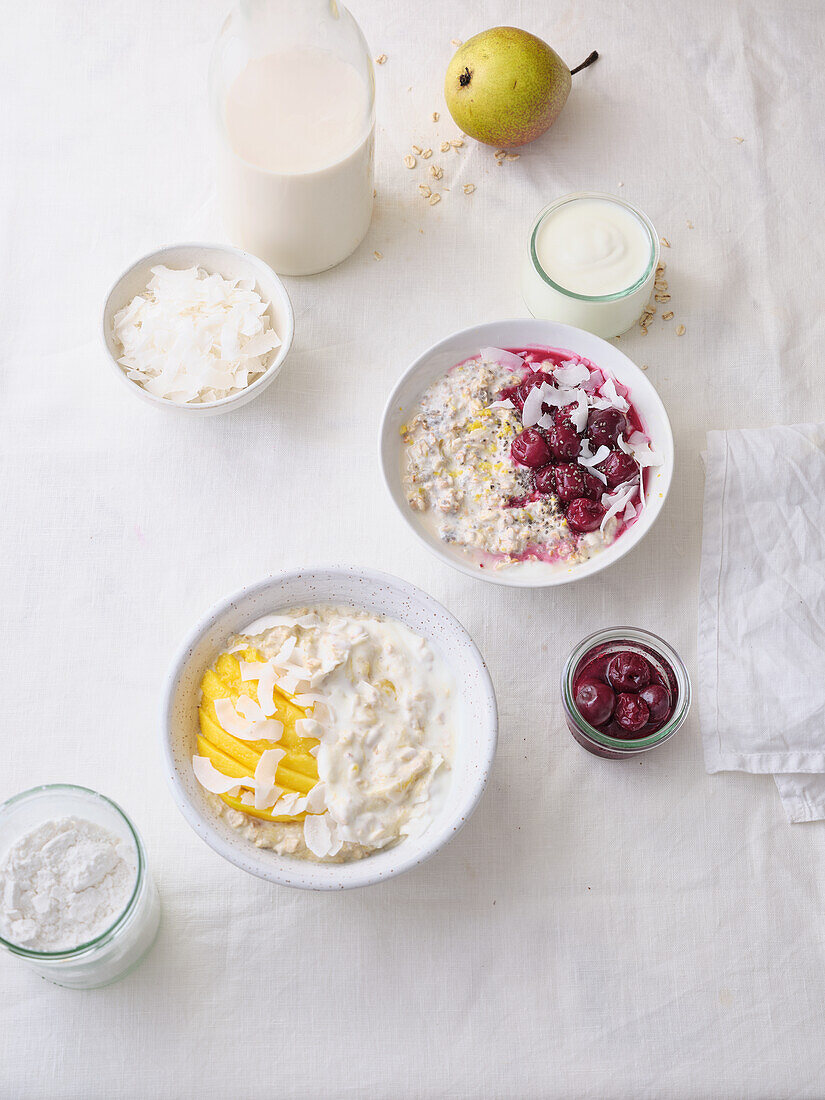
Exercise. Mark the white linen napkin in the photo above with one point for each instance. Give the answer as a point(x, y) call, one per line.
point(761, 654)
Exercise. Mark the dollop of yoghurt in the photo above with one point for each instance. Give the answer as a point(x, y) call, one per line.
point(384, 703)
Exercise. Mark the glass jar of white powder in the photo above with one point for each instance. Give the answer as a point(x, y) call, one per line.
point(77, 902)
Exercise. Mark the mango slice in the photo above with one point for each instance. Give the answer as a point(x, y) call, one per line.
point(297, 771)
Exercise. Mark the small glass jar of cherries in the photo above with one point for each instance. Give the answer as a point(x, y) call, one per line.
point(625, 691)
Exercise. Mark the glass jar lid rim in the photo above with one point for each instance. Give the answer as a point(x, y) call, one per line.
point(576, 196)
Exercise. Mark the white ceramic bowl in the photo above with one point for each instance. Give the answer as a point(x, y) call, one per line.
point(403, 404)
point(231, 263)
point(475, 738)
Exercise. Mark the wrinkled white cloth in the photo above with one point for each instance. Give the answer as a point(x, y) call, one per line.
point(761, 643)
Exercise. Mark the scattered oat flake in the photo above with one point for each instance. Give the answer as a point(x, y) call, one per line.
point(680, 330)
point(500, 153)
point(621, 184)
point(667, 316)
point(378, 255)
point(739, 140)
point(456, 42)
point(427, 154)
point(382, 57)
point(456, 143)
point(410, 160)
point(512, 156)
point(417, 150)
point(689, 225)
point(424, 189)
point(436, 116)
point(660, 268)
point(665, 242)
point(445, 146)
point(644, 330)
point(662, 297)
point(436, 172)
point(469, 188)
point(434, 198)
point(644, 366)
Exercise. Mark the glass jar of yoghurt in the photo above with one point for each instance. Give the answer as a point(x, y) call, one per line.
point(591, 262)
point(624, 691)
point(43, 829)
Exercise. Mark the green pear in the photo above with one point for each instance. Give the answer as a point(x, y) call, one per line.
point(505, 87)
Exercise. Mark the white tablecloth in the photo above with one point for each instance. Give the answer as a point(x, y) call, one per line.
point(599, 929)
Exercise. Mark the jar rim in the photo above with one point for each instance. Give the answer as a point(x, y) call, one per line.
point(574, 196)
point(103, 937)
point(660, 646)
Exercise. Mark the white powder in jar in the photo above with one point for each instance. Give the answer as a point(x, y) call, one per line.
point(63, 884)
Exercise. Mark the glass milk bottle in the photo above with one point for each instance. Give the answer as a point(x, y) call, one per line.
point(292, 89)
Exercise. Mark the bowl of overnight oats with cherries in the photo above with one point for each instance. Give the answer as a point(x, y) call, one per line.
point(329, 728)
point(526, 452)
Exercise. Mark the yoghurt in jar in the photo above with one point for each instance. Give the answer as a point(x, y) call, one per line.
point(591, 262)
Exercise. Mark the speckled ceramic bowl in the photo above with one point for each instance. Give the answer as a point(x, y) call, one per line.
point(475, 738)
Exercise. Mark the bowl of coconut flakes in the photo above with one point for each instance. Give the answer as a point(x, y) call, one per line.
point(198, 328)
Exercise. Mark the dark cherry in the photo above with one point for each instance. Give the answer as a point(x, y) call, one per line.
point(593, 488)
point(595, 701)
point(631, 713)
point(544, 480)
point(533, 379)
point(657, 699)
point(512, 393)
point(604, 426)
point(530, 449)
point(569, 482)
point(628, 672)
point(584, 515)
point(562, 416)
point(618, 468)
point(564, 443)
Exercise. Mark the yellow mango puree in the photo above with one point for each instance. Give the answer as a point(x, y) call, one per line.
point(297, 770)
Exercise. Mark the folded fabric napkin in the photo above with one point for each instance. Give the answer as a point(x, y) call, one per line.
point(761, 687)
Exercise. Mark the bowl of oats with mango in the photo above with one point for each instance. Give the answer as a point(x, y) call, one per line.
point(527, 453)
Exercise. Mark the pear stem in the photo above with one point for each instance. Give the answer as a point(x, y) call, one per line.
point(587, 61)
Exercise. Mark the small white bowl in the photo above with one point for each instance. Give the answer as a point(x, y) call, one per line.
point(365, 588)
point(231, 263)
point(524, 332)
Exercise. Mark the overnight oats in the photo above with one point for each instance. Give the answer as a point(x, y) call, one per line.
point(327, 733)
point(527, 455)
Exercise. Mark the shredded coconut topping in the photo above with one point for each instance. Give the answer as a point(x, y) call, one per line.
point(193, 337)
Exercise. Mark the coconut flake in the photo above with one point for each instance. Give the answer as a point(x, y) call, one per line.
point(192, 337)
point(316, 799)
point(505, 358)
point(643, 452)
point(285, 652)
point(594, 460)
point(571, 374)
point(265, 674)
point(578, 417)
point(308, 727)
point(212, 780)
point(531, 413)
point(617, 501)
point(630, 513)
point(614, 400)
point(266, 793)
point(505, 404)
point(321, 835)
point(246, 728)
